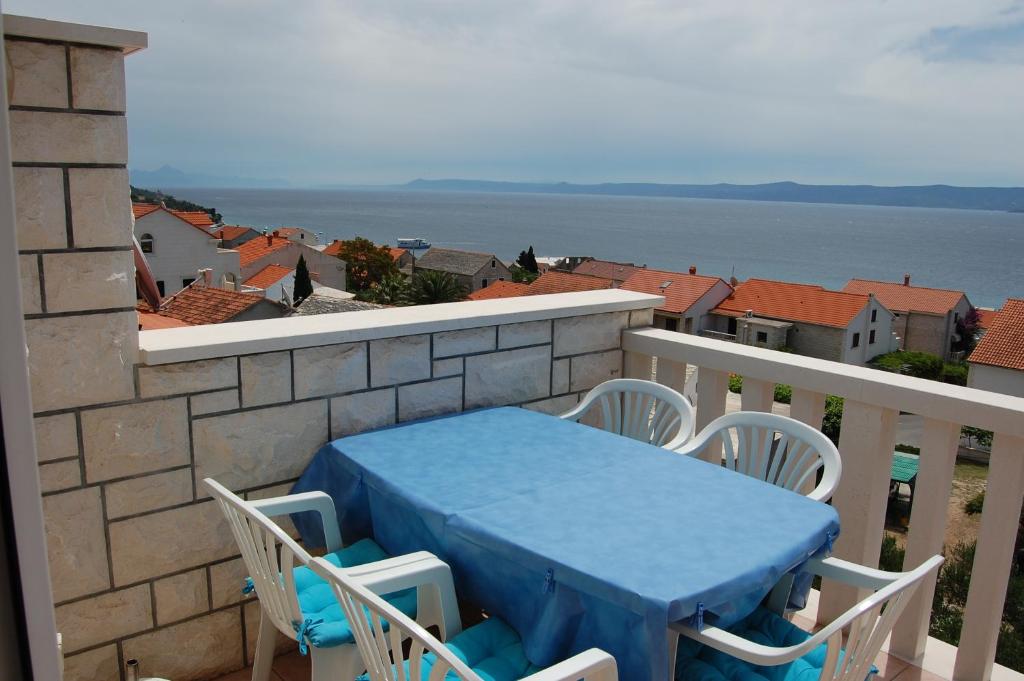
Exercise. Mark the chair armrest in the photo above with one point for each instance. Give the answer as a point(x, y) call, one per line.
point(748, 651)
point(851, 573)
point(318, 502)
point(593, 664)
point(425, 572)
point(575, 414)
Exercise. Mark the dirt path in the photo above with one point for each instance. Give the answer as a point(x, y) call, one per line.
point(968, 481)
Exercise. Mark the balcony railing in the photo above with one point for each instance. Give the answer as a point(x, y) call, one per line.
point(719, 335)
point(873, 402)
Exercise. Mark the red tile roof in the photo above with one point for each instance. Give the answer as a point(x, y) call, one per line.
point(268, 276)
point(617, 271)
point(287, 231)
point(333, 248)
point(904, 298)
point(149, 321)
point(260, 247)
point(397, 253)
point(202, 305)
point(230, 232)
point(500, 289)
point(140, 209)
point(197, 219)
point(681, 290)
point(1003, 344)
point(793, 302)
point(986, 317)
point(557, 281)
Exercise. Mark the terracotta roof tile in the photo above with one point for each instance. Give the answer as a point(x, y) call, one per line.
point(557, 281)
point(260, 247)
point(333, 248)
point(268, 276)
point(196, 219)
point(500, 289)
point(230, 232)
point(202, 305)
point(1003, 343)
point(149, 320)
point(617, 271)
point(397, 253)
point(140, 209)
point(681, 290)
point(986, 317)
point(793, 302)
point(904, 298)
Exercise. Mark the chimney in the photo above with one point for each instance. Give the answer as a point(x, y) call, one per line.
point(693, 269)
point(276, 233)
point(270, 239)
point(206, 276)
point(906, 279)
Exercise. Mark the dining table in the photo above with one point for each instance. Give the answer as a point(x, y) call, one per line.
point(575, 536)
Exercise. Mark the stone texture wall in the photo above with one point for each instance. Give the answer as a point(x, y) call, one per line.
point(823, 342)
point(926, 333)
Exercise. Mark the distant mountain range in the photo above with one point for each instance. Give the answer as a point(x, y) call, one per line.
point(168, 177)
point(931, 196)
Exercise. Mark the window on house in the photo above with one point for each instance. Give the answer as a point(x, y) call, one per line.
point(671, 324)
point(483, 283)
point(493, 264)
point(160, 288)
point(856, 340)
point(762, 336)
point(186, 282)
point(871, 337)
point(147, 243)
point(874, 315)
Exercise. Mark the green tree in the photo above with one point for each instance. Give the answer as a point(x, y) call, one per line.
point(366, 263)
point(967, 328)
point(430, 286)
point(833, 418)
point(528, 261)
point(521, 275)
point(303, 284)
point(393, 289)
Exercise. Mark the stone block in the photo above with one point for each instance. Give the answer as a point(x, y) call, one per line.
point(641, 318)
point(134, 438)
point(97, 79)
point(352, 414)
point(259, 447)
point(31, 294)
point(60, 475)
point(266, 378)
point(98, 664)
point(100, 207)
point(39, 71)
point(168, 541)
point(421, 400)
point(399, 360)
point(148, 493)
point(188, 377)
point(39, 208)
point(464, 342)
point(226, 582)
point(56, 437)
point(508, 377)
point(553, 405)
point(447, 367)
point(75, 543)
point(202, 648)
point(89, 281)
point(80, 360)
point(524, 333)
point(589, 333)
point(180, 596)
point(590, 370)
point(211, 403)
point(330, 369)
point(105, 617)
point(560, 376)
point(49, 137)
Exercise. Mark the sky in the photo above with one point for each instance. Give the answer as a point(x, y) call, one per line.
point(386, 91)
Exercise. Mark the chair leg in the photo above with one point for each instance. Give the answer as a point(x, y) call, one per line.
point(265, 643)
point(340, 663)
point(673, 648)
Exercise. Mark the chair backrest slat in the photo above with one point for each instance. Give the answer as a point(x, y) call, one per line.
point(641, 410)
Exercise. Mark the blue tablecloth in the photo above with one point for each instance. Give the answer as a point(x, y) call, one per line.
point(576, 537)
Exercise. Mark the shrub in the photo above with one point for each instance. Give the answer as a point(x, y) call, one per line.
point(735, 383)
point(955, 373)
point(891, 557)
point(833, 418)
point(908, 449)
point(974, 505)
point(982, 437)
point(783, 393)
point(917, 364)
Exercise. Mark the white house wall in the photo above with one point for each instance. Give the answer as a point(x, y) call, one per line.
point(329, 269)
point(996, 379)
point(180, 251)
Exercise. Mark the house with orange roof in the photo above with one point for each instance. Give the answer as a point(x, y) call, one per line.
point(274, 249)
point(557, 281)
point(689, 297)
point(925, 318)
point(997, 362)
point(178, 244)
point(808, 319)
point(300, 234)
point(232, 236)
point(500, 289)
point(607, 269)
point(200, 303)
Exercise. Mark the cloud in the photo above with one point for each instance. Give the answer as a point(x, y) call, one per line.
point(386, 90)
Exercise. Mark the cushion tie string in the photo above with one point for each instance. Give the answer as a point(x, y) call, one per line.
point(830, 539)
point(248, 586)
point(697, 618)
point(549, 582)
point(303, 630)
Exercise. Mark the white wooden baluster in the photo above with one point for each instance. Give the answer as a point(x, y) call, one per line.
point(757, 395)
point(712, 388)
point(808, 407)
point(939, 443)
point(672, 374)
point(993, 559)
point(637, 365)
point(866, 444)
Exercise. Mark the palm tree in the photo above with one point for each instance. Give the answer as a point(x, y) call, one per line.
point(430, 286)
point(393, 289)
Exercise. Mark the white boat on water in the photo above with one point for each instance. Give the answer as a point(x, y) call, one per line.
point(413, 243)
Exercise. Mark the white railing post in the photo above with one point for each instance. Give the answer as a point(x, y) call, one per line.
point(637, 365)
point(866, 444)
point(672, 374)
point(993, 560)
point(757, 395)
point(939, 444)
point(808, 407)
point(712, 387)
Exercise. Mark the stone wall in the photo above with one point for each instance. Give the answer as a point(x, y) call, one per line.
point(824, 342)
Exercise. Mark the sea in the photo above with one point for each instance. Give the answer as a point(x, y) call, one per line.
point(979, 252)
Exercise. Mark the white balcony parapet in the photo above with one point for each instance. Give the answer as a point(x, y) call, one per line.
point(873, 401)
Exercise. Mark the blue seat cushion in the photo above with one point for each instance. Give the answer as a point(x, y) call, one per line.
point(492, 649)
point(696, 662)
point(317, 601)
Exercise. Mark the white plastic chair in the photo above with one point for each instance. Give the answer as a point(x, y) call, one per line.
point(869, 623)
point(777, 449)
point(272, 559)
point(642, 410)
point(379, 629)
